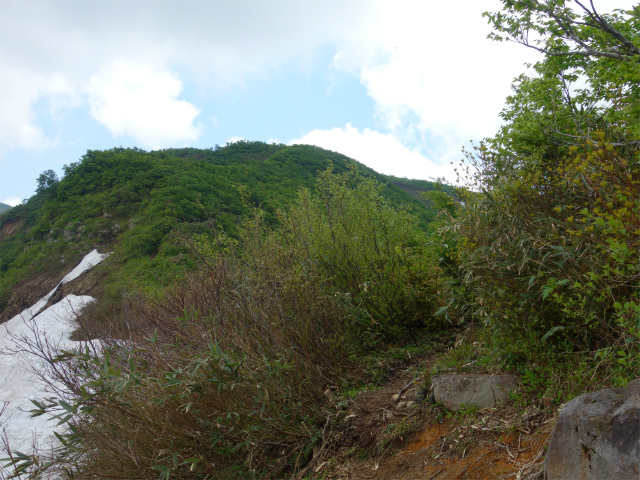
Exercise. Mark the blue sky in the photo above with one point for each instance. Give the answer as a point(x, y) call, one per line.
point(399, 85)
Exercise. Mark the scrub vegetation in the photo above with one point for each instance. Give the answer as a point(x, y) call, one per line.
point(251, 285)
point(138, 203)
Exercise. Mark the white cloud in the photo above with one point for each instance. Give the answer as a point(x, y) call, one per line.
point(142, 101)
point(380, 151)
point(13, 201)
point(434, 78)
point(20, 89)
point(431, 71)
point(218, 44)
point(234, 140)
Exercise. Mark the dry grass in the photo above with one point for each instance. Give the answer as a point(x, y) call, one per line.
point(224, 377)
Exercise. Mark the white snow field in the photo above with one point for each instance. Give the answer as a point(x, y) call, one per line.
point(19, 381)
point(89, 261)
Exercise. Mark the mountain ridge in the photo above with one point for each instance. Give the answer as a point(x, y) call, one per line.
point(138, 202)
point(4, 208)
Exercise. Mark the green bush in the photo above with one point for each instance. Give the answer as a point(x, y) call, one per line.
point(371, 253)
point(549, 246)
point(225, 374)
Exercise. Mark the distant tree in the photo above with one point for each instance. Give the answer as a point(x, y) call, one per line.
point(47, 181)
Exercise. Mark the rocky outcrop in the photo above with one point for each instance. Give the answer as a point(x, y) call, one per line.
point(481, 391)
point(597, 436)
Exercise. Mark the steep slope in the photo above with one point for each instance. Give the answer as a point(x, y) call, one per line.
point(28, 343)
point(4, 207)
point(140, 203)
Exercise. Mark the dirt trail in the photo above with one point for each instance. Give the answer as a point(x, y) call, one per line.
point(421, 442)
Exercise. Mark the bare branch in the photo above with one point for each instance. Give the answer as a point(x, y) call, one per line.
point(626, 50)
point(605, 26)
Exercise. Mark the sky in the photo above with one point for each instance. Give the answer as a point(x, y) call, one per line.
point(399, 85)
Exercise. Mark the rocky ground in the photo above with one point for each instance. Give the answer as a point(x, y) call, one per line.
point(385, 438)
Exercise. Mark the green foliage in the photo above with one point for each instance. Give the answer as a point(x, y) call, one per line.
point(132, 202)
point(223, 376)
point(47, 182)
point(549, 250)
point(370, 252)
point(224, 373)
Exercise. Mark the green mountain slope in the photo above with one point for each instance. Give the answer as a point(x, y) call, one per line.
point(417, 188)
point(137, 204)
point(4, 207)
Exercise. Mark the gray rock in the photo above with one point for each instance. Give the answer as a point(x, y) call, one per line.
point(480, 391)
point(386, 415)
point(597, 436)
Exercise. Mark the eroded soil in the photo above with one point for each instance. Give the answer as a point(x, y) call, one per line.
point(10, 228)
point(387, 440)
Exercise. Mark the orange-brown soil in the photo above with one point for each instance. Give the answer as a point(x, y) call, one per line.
point(10, 228)
point(383, 442)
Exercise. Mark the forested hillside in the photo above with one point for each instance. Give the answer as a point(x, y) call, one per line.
point(4, 208)
point(258, 289)
point(137, 203)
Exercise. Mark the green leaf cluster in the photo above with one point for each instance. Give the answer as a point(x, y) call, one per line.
point(549, 244)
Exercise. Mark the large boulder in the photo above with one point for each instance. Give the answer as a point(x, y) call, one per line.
point(481, 391)
point(597, 436)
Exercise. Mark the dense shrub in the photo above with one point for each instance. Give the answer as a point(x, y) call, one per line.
point(224, 376)
point(549, 244)
point(367, 250)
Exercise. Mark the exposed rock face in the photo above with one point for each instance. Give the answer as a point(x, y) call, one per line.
point(597, 436)
point(480, 391)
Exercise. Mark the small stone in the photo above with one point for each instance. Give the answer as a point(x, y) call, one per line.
point(395, 397)
point(401, 405)
point(493, 423)
point(410, 404)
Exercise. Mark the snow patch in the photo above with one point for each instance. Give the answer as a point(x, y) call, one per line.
point(88, 262)
point(20, 367)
